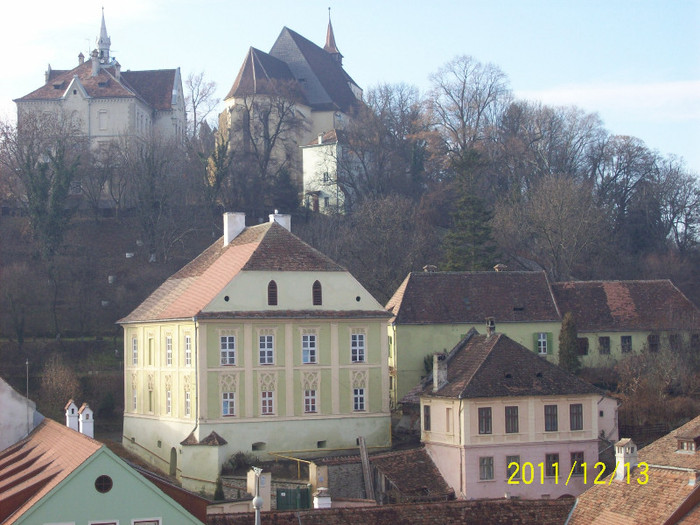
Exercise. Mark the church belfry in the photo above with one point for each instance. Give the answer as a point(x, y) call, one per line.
point(330, 46)
point(103, 42)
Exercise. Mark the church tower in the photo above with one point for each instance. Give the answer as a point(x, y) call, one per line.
point(103, 42)
point(330, 46)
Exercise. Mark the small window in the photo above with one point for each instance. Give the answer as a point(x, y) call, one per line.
point(486, 468)
point(267, 406)
point(582, 344)
point(169, 351)
point(134, 351)
point(674, 341)
point(260, 445)
point(103, 484)
point(542, 342)
point(357, 346)
point(551, 465)
point(272, 293)
point(576, 416)
point(485, 420)
point(426, 418)
point(188, 404)
point(266, 349)
point(695, 342)
point(228, 350)
point(228, 403)
point(168, 402)
point(308, 348)
point(513, 467)
point(309, 401)
point(512, 423)
point(577, 468)
point(551, 423)
point(604, 345)
point(188, 350)
point(317, 294)
point(626, 344)
point(358, 399)
point(653, 342)
point(321, 444)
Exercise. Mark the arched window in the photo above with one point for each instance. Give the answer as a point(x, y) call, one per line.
point(317, 293)
point(272, 293)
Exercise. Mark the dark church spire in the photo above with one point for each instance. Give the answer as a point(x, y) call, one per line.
point(330, 46)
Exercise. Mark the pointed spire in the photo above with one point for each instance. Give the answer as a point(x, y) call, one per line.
point(103, 42)
point(330, 46)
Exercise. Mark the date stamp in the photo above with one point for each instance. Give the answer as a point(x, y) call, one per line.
point(527, 473)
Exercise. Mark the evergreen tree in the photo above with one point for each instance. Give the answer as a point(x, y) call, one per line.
point(469, 246)
point(568, 345)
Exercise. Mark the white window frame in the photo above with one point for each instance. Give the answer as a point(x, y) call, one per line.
point(542, 343)
point(267, 402)
point(309, 349)
point(188, 403)
point(358, 348)
point(188, 350)
point(228, 404)
point(135, 351)
point(266, 349)
point(227, 349)
point(169, 350)
point(168, 402)
point(310, 402)
point(358, 399)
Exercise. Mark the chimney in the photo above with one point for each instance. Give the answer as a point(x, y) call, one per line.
point(490, 326)
point(87, 423)
point(81, 59)
point(283, 219)
point(322, 498)
point(117, 70)
point(625, 452)
point(439, 371)
point(95, 63)
point(72, 415)
point(234, 224)
point(320, 138)
point(500, 267)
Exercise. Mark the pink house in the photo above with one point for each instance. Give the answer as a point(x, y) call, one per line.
point(499, 421)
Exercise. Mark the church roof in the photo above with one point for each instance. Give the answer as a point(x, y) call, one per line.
point(265, 247)
point(257, 74)
point(627, 305)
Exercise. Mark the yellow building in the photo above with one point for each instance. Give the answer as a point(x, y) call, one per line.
point(262, 345)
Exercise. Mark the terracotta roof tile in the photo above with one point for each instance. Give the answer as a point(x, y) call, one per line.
point(627, 305)
point(413, 474)
point(471, 297)
point(497, 366)
point(47, 456)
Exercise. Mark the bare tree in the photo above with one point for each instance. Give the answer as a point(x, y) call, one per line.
point(200, 101)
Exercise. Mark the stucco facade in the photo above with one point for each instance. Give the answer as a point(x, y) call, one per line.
point(242, 374)
point(18, 416)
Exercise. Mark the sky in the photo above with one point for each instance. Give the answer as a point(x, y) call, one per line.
point(635, 63)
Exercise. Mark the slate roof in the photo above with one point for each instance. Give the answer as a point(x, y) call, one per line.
point(265, 247)
point(32, 467)
point(153, 87)
point(471, 297)
point(414, 474)
point(257, 73)
point(460, 512)
point(325, 83)
point(627, 305)
point(496, 366)
point(671, 495)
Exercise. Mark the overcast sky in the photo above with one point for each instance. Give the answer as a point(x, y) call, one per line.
point(636, 63)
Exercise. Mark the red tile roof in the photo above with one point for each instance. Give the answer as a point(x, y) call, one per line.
point(413, 473)
point(502, 512)
point(471, 297)
point(671, 495)
point(32, 467)
point(265, 247)
point(153, 87)
point(627, 305)
point(497, 366)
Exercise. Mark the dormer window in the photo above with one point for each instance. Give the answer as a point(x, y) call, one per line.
point(686, 445)
point(272, 293)
point(317, 294)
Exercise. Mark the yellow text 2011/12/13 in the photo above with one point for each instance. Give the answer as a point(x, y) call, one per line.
point(527, 473)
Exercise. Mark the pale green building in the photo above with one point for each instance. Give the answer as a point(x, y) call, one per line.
point(260, 345)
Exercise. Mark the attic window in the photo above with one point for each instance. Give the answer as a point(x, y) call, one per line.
point(272, 293)
point(58, 85)
point(509, 375)
point(103, 484)
point(518, 308)
point(75, 91)
point(538, 374)
point(103, 83)
point(317, 294)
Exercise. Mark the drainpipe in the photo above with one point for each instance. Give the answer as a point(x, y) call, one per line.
point(196, 381)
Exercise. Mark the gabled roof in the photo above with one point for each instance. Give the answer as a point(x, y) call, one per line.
point(497, 366)
point(325, 83)
point(258, 74)
point(471, 297)
point(265, 247)
point(413, 474)
point(627, 305)
point(34, 466)
point(153, 87)
point(670, 495)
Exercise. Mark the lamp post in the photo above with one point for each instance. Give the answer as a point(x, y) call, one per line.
point(257, 500)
